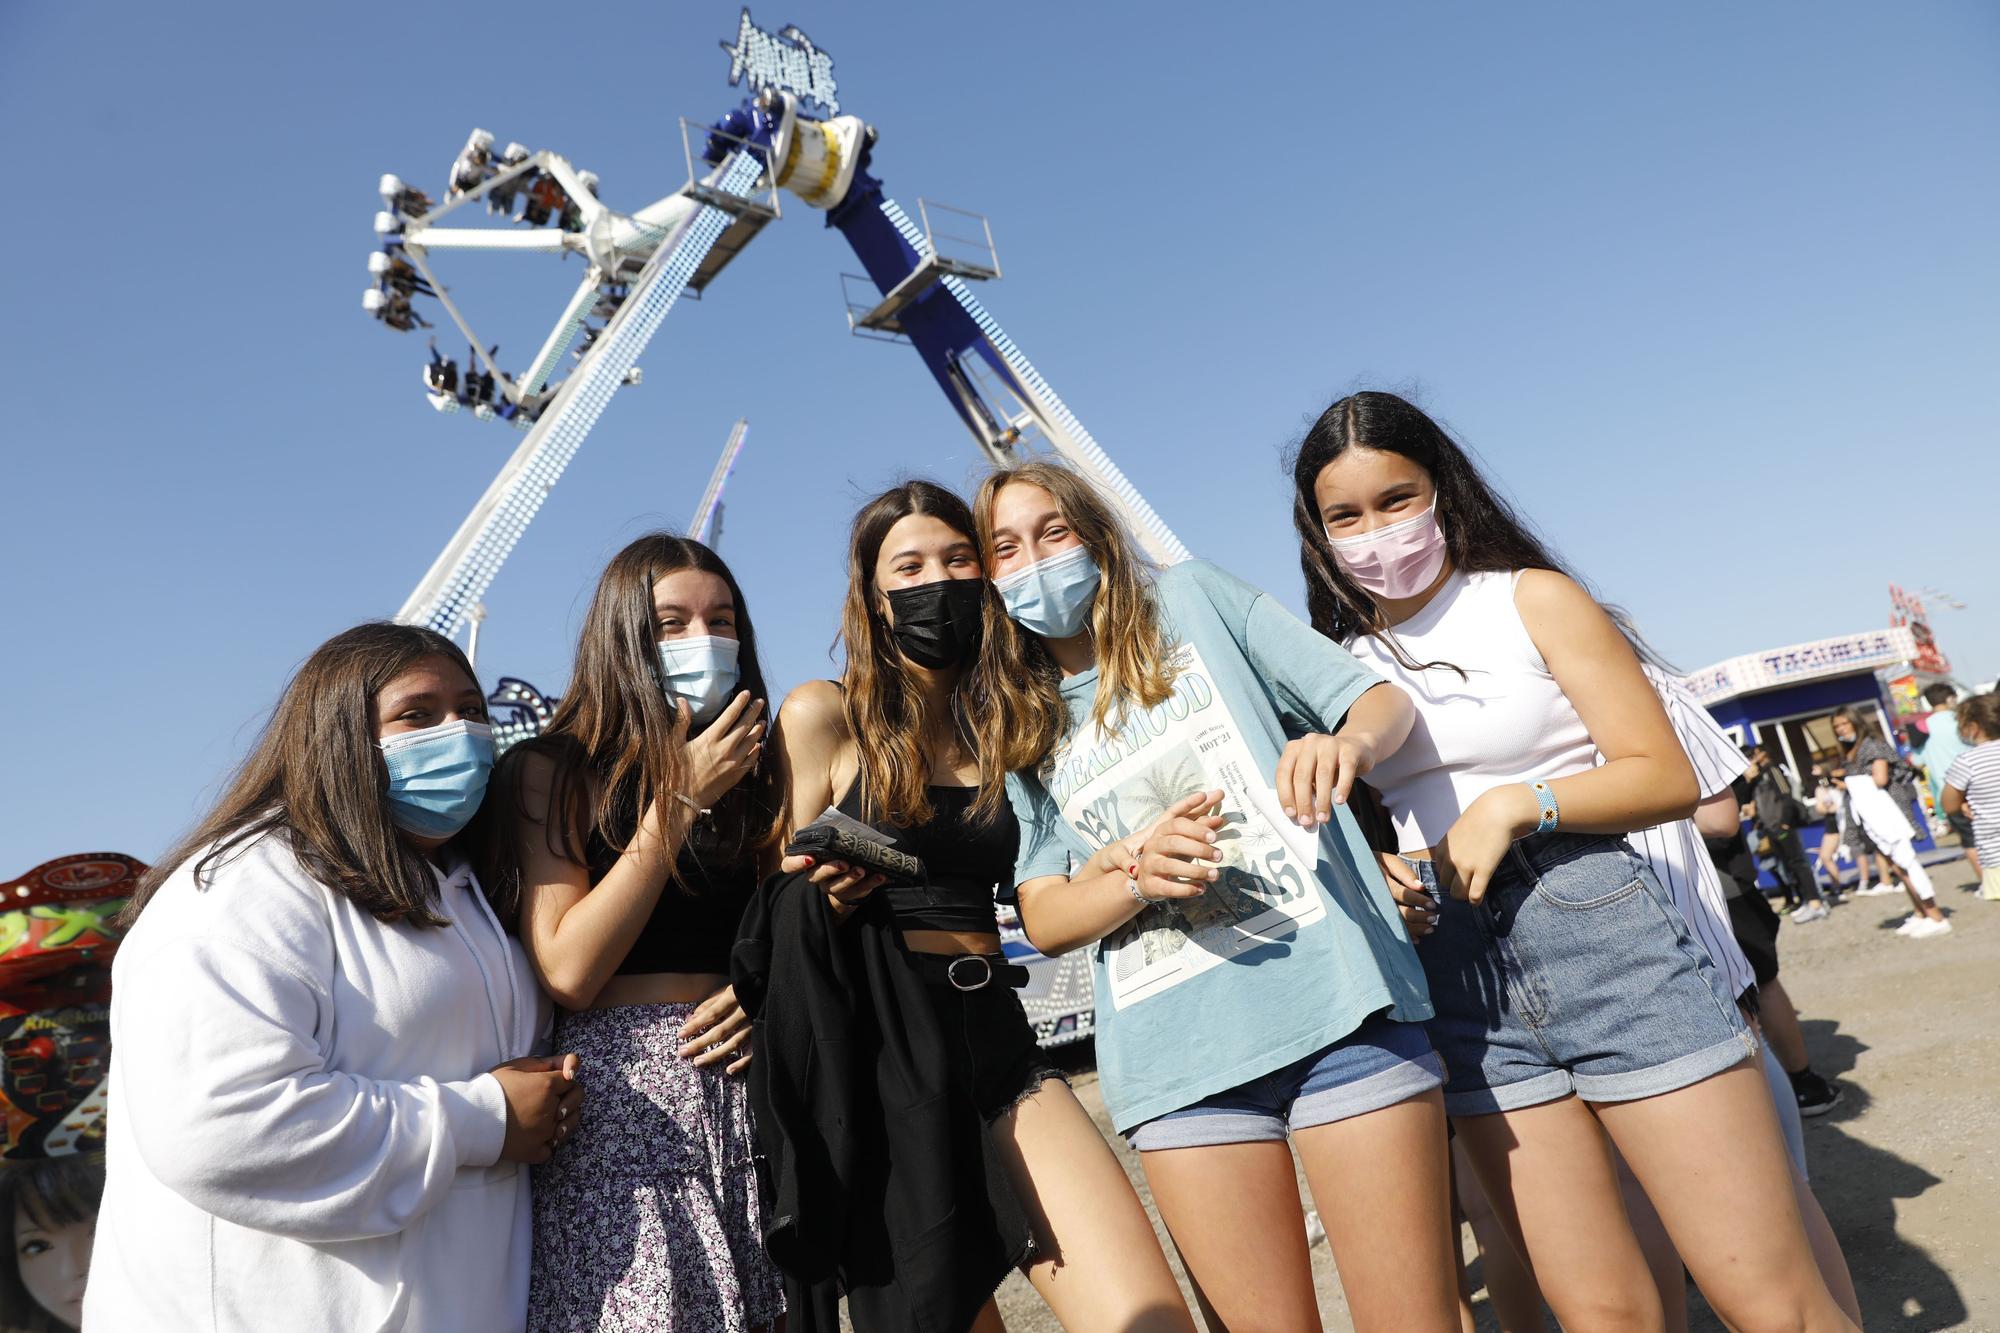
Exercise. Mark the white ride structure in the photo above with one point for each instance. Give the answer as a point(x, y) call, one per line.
point(663, 250)
point(679, 244)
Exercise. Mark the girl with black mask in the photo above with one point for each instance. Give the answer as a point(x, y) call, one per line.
point(888, 744)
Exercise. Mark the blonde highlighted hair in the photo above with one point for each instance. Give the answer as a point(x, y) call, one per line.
point(1020, 716)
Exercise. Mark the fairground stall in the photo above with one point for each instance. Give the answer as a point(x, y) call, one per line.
point(1785, 698)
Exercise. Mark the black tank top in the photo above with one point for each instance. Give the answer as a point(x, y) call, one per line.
point(965, 860)
point(693, 926)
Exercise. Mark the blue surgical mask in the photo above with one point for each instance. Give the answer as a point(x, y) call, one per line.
point(1052, 597)
point(437, 776)
point(702, 670)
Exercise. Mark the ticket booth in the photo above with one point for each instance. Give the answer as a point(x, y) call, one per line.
point(1785, 698)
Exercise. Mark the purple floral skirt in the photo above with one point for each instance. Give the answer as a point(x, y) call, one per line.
point(649, 1218)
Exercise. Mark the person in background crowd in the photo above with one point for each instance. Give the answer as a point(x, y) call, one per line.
point(1521, 682)
point(626, 843)
point(1004, 1150)
point(1972, 785)
point(1942, 746)
point(323, 1094)
point(1867, 766)
point(1119, 699)
point(1756, 928)
point(50, 1209)
point(1779, 815)
point(1829, 806)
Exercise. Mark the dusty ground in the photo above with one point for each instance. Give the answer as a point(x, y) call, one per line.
point(1907, 1168)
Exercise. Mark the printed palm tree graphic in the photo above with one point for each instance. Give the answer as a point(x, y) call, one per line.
point(1162, 786)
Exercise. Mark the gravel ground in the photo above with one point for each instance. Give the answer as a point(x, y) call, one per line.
point(1906, 1167)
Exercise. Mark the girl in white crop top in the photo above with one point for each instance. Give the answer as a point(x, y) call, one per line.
point(1569, 1003)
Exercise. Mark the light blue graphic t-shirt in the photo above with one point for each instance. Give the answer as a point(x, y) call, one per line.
point(1297, 941)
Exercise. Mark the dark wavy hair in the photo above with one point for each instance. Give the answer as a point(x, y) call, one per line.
point(1482, 531)
point(317, 778)
point(612, 740)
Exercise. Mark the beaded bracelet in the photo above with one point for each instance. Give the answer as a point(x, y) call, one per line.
point(1546, 799)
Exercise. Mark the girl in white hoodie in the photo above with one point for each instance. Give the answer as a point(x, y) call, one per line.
point(323, 1097)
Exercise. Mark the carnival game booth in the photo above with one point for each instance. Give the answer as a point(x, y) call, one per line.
point(1785, 698)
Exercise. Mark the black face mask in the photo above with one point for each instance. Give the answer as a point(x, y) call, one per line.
point(938, 625)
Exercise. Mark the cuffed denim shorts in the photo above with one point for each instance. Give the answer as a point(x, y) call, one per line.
point(1576, 974)
point(1380, 1063)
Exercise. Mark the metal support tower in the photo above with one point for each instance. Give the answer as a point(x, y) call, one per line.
point(988, 380)
point(707, 520)
point(475, 553)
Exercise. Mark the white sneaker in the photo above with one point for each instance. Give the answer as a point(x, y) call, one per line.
point(1810, 912)
point(1926, 928)
point(1876, 890)
point(1911, 924)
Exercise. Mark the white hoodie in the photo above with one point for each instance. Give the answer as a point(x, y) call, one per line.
point(302, 1134)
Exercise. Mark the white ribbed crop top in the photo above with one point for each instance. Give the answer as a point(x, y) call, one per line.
point(1506, 721)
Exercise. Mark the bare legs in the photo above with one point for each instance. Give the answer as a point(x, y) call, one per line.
point(1713, 1164)
point(1383, 1187)
point(1548, 1174)
point(1714, 1167)
point(1100, 1265)
point(1779, 1019)
point(1383, 1193)
point(1510, 1288)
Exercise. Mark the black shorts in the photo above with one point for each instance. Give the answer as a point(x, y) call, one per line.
point(992, 1047)
point(1961, 824)
point(1756, 929)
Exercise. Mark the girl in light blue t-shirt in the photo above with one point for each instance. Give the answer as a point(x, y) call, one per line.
point(1178, 752)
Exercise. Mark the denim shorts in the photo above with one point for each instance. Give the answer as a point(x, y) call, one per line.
point(1380, 1063)
point(1575, 975)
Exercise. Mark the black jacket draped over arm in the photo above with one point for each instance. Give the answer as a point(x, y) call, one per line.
point(879, 1179)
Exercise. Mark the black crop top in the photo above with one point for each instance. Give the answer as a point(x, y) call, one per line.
point(965, 860)
point(693, 926)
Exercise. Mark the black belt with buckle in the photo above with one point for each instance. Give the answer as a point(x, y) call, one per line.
point(969, 971)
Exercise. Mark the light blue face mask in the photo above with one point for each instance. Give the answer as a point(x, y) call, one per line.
point(702, 670)
point(437, 776)
point(1052, 597)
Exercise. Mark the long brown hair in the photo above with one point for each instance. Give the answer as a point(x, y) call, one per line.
point(613, 740)
point(892, 723)
point(1865, 729)
point(316, 778)
point(1021, 716)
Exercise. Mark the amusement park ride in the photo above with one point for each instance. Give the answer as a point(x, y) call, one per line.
point(788, 135)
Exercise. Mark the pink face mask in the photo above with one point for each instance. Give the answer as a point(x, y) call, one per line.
point(1400, 560)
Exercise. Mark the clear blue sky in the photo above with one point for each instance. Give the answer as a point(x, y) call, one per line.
point(1711, 287)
